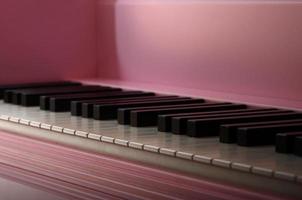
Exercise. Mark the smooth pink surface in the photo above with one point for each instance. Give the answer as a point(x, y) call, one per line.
point(47, 40)
point(248, 48)
point(251, 49)
point(82, 175)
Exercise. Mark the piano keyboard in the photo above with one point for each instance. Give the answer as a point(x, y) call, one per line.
point(257, 140)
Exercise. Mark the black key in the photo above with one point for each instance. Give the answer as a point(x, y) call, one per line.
point(62, 104)
point(228, 132)
point(179, 124)
point(210, 127)
point(285, 142)
point(109, 111)
point(298, 146)
point(141, 118)
point(123, 114)
point(264, 135)
point(32, 97)
point(76, 106)
point(45, 100)
point(6, 90)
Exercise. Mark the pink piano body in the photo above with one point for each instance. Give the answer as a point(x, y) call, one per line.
point(234, 50)
point(241, 51)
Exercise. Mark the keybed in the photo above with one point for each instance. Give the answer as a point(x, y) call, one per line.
point(191, 126)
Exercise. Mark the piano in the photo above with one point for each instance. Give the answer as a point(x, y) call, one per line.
point(206, 90)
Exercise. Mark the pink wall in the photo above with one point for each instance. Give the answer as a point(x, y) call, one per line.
point(250, 48)
point(227, 47)
point(46, 40)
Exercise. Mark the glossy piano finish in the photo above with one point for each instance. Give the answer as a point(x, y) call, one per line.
point(66, 173)
point(12, 189)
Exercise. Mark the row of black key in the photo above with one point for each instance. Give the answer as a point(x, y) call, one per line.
point(147, 116)
point(62, 103)
point(257, 129)
point(6, 90)
point(84, 108)
point(31, 97)
point(234, 123)
point(179, 124)
point(103, 111)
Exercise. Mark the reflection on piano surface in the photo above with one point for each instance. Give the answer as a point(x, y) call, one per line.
point(72, 174)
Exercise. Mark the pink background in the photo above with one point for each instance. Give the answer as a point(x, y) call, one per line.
point(236, 50)
point(247, 48)
point(47, 40)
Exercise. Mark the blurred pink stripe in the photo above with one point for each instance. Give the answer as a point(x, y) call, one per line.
point(93, 176)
